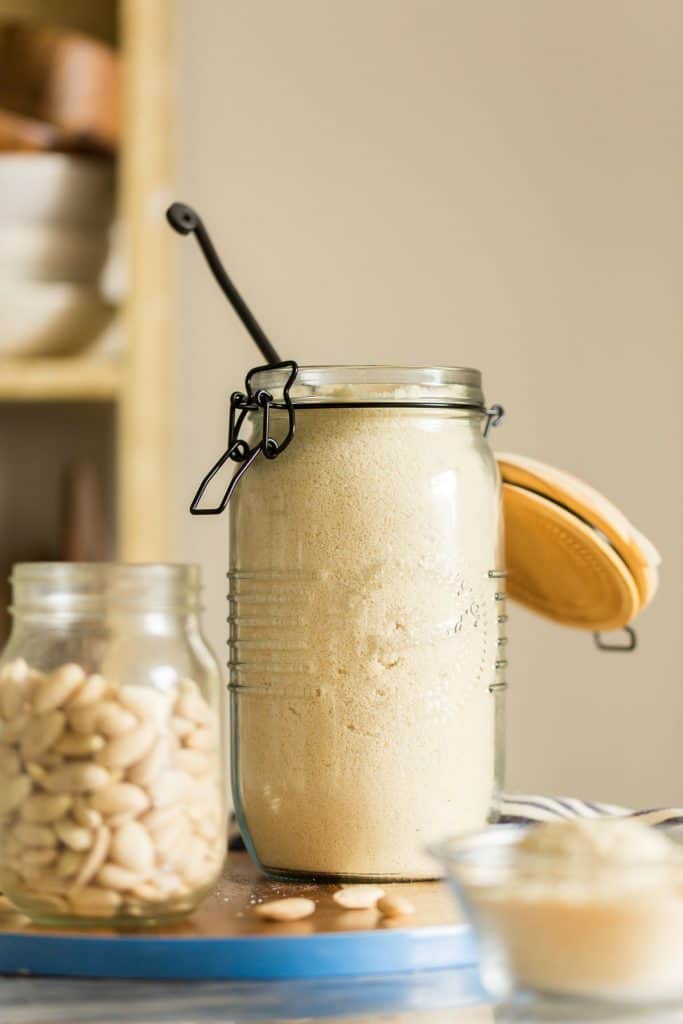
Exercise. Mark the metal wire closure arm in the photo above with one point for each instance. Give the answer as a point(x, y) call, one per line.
point(241, 404)
point(629, 644)
point(229, 454)
point(185, 220)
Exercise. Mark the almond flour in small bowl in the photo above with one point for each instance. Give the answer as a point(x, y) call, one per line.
point(589, 909)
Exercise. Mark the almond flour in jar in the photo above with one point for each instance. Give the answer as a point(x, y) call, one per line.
point(365, 628)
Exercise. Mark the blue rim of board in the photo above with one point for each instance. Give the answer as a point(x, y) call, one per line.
point(324, 955)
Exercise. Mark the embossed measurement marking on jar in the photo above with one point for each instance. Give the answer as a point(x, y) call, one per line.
point(500, 683)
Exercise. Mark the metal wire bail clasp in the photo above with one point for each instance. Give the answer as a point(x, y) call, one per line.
point(494, 416)
point(241, 404)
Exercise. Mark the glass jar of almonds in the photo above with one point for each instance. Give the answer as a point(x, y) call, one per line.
point(112, 805)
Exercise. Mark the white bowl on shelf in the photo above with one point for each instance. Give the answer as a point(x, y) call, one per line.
point(56, 188)
point(49, 319)
point(51, 252)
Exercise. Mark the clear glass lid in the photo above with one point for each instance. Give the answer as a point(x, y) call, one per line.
point(371, 385)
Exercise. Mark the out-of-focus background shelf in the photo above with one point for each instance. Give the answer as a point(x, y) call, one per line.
point(59, 380)
point(84, 400)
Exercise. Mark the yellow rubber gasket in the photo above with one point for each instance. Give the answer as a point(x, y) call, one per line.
point(635, 550)
point(561, 568)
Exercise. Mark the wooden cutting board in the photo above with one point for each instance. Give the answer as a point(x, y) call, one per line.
point(224, 939)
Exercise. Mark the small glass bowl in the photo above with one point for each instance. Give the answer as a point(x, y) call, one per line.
point(557, 929)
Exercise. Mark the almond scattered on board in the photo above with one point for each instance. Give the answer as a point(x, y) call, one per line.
point(395, 905)
point(358, 897)
point(294, 908)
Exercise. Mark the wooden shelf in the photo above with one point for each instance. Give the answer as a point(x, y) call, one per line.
point(59, 380)
point(140, 385)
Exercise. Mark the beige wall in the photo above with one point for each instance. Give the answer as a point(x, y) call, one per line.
point(495, 184)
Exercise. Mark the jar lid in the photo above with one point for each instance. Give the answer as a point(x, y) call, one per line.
point(376, 385)
point(571, 554)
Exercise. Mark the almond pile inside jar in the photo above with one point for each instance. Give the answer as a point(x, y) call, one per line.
point(111, 802)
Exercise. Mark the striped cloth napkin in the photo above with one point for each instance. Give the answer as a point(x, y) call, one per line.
point(516, 809)
point(525, 810)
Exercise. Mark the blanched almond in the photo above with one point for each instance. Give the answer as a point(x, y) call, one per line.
point(113, 720)
point(9, 761)
point(51, 759)
point(169, 835)
point(191, 705)
point(175, 854)
point(42, 808)
point(146, 703)
point(56, 689)
point(16, 671)
point(14, 729)
point(38, 856)
point(92, 689)
point(149, 892)
point(192, 868)
point(129, 748)
point(206, 828)
point(69, 864)
point(112, 876)
point(43, 899)
point(12, 698)
point(182, 727)
point(149, 767)
point(41, 733)
point(96, 856)
point(74, 836)
point(74, 744)
point(91, 901)
point(206, 798)
point(132, 848)
point(77, 777)
point(37, 772)
point(14, 793)
point(169, 884)
point(193, 762)
point(161, 816)
point(170, 788)
point(82, 719)
point(395, 905)
point(201, 738)
point(85, 815)
point(358, 897)
point(11, 847)
point(34, 835)
point(293, 909)
point(120, 798)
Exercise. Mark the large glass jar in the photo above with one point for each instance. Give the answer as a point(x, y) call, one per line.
point(113, 806)
point(366, 626)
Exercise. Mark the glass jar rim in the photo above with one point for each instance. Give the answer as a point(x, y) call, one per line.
point(496, 849)
point(94, 586)
point(378, 384)
point(189, 571)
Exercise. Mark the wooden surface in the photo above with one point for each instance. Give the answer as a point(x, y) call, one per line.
point(226, 941)
point(229, 911)
point(421, 997)
point(59, 380)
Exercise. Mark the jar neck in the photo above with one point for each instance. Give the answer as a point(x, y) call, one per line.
point(105, 591)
